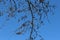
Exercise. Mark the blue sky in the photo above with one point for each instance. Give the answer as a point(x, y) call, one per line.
point(49, 31)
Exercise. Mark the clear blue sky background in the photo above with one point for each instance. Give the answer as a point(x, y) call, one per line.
point(49, 31)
